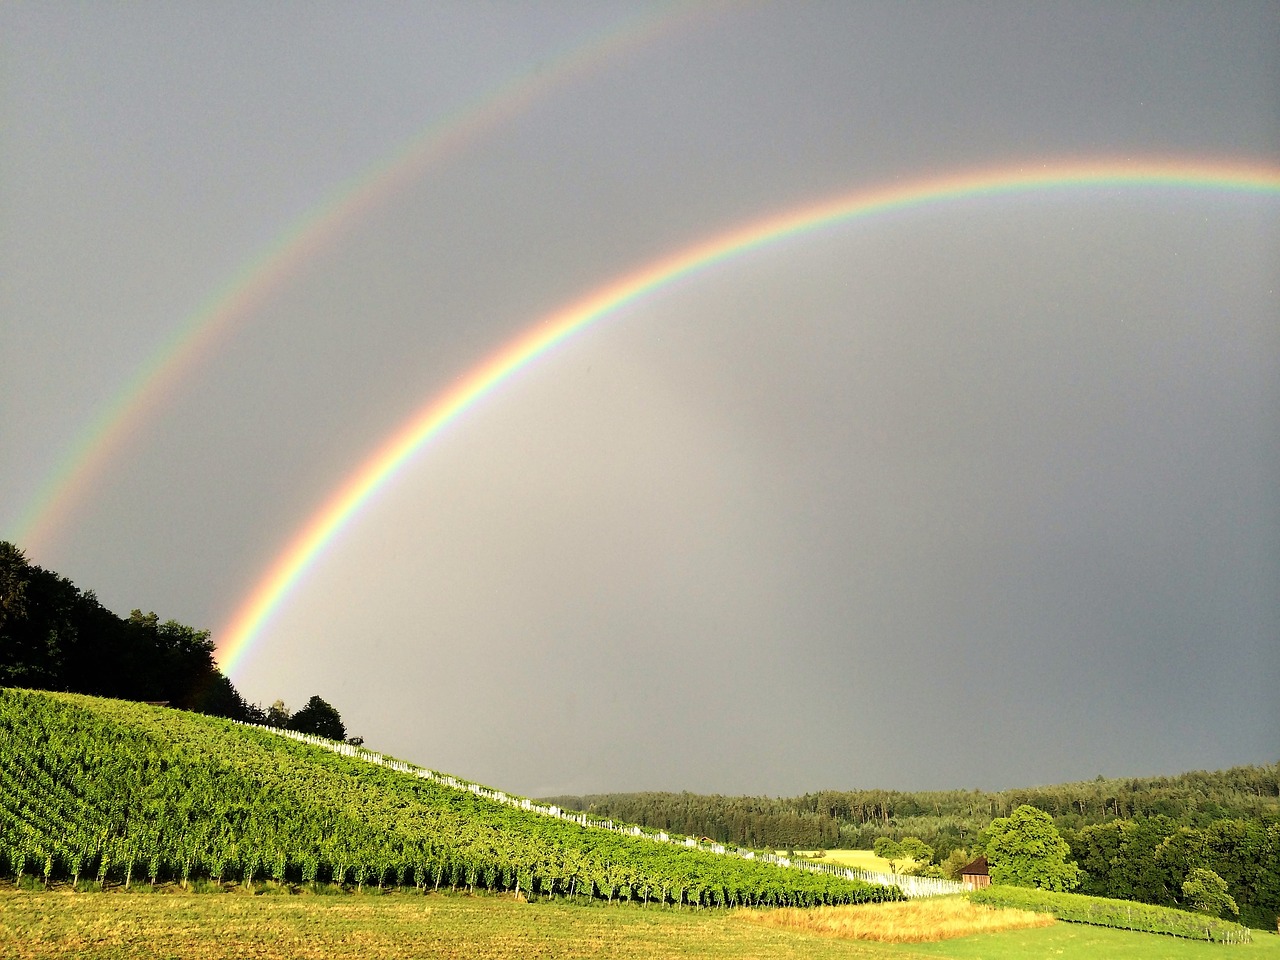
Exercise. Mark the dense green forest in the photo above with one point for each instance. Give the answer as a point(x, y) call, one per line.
point(114, 792)
point(945, 819)
point(1134, 838)
point(54, 636)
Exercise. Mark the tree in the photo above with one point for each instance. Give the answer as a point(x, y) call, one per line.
point(13, 582)
point(886, 848)
point(319, 718)
point(1268, 891)
point(1207, 893)
point(169, 661)
point(908, 854)
point(1024, 849)
point(956, 860)
point(278, 715)
point(916, 849)
point(1097, 850)
point(218, 697)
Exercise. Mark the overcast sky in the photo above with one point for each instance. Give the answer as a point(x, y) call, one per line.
point(978, 495)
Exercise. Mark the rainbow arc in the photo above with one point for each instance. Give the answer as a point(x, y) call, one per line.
point(229, 307)
point(426, 423)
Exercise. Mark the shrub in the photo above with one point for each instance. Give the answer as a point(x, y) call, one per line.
point(1120, 914)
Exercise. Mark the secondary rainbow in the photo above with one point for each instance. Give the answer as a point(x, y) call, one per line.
point(395, 452)
point(217, 317)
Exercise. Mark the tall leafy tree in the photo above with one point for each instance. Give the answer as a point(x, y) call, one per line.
point(13, 582)
point(917, 850)
point(1206, 892)
point(278, 715)
point(320, 718)
point(1025, 849)
point(887, 848)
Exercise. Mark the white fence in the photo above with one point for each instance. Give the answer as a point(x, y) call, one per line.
point(911, 886)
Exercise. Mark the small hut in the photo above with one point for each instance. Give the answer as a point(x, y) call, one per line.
point(974, 875)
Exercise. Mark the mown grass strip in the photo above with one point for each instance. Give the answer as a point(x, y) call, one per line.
point(1118, 914)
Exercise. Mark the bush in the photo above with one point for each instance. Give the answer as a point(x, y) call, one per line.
point(1120, 914)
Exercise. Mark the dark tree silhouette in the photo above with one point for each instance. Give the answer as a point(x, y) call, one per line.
point(319, 718)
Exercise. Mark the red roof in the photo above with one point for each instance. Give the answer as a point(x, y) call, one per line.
point(976, 869)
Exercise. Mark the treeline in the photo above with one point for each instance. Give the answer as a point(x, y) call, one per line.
point(54, 636)
point(1148, 860)
point(118, 793)
point(1135, 839)
point(944, 819)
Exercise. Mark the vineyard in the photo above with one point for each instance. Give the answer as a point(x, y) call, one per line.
point(912, 887)
point(124, 793)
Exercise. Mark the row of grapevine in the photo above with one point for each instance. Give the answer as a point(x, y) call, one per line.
point(126, 793)
point(911, 886)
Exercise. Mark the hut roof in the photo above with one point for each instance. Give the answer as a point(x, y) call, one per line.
point(976, 869)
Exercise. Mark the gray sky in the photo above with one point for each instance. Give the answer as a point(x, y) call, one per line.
point(983, 494)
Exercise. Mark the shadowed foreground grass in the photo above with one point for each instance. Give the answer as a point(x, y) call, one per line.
point(212, 926)
point(914, 921)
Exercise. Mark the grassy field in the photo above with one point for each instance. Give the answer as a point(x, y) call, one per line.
point(862, 859)
point(1075, 941)
point(118, 925)
point(913, 921)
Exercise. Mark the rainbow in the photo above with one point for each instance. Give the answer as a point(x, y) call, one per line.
point(339, 510)
point(218, 315)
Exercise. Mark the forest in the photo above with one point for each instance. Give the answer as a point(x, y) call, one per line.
point(945, 819)
point(1134, 838)
point(54, 636)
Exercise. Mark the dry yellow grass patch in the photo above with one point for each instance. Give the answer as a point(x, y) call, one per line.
point(913, 921)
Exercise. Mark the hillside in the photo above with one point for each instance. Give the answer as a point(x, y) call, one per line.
point(125, 793)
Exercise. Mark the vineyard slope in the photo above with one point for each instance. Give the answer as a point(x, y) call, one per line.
point(125, 793)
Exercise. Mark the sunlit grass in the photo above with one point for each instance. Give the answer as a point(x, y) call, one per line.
point(862, 859)
point(915, 921)
point(143, 925)
point(61, 925)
